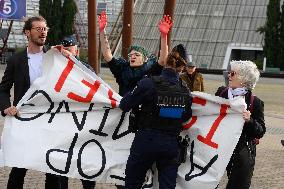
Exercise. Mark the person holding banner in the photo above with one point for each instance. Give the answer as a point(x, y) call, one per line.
point(165, 105)
point(22, 70)
point(128, 72)
point(242, 80)
point(69, 46)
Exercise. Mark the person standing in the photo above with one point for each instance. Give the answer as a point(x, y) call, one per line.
point(128, 72)
point(165, 105)
point(191, 77)
point(22, 70)
point(242, 78)
point(70, 47)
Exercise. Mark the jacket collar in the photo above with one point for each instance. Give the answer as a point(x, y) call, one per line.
point(170, 75)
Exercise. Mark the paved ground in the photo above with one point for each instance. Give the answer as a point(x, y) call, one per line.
point(269, 170)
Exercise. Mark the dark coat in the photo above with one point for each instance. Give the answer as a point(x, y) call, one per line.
point(17, 74)
point(255, 128)
point(127, 76)
point(241, 165)
point(145, 93)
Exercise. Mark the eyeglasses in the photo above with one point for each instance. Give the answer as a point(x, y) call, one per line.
point(41, 29)
point(137, 54)
point(232, 73)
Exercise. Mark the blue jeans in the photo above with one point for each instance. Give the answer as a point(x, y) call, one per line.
point(152, 146)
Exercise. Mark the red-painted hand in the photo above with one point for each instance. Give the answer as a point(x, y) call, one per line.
point(102, 21)
point(165, 24)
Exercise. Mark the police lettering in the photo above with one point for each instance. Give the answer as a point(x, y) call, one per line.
point(171, 100)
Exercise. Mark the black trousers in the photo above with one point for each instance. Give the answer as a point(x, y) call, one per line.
point(151, 146)
point(240, 168)
point(86, 183)
point(17, 176)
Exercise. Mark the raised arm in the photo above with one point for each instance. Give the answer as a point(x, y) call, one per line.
point(105, 48)
point(164, 26)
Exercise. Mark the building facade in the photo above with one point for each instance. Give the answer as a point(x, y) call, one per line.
point(214, 31)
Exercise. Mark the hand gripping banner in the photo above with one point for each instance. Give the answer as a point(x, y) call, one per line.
point(70, 124)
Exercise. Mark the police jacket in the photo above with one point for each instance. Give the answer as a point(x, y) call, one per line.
point(165, 102)
point(127, 76)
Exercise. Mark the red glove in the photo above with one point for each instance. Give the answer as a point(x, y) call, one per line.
point(165, 24)
point(102, 21)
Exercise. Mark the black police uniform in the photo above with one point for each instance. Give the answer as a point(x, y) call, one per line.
point(165, 104)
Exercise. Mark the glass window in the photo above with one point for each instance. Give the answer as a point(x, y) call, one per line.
point(232, 10)
point(229, 23)
point(243, 23)
point(246, 11)
point(211, 35)
point(226, 35)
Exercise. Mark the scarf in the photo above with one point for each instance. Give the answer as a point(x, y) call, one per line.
point(236, 92)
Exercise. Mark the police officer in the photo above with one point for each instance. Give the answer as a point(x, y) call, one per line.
point(165, 104)
point(70, 47)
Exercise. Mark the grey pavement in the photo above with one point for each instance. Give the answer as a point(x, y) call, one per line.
point(269, 169)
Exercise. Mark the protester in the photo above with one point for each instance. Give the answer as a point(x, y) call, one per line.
point(192, 78)
point(70, 47)
point(159, 124)
point(22, 70)
point(128, 72)
point(242, 80)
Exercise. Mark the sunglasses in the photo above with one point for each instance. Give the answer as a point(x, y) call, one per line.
point(232, 73)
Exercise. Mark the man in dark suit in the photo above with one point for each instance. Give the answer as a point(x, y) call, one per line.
point(22, 70)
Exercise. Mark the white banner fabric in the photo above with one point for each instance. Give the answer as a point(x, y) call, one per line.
point(70, 124)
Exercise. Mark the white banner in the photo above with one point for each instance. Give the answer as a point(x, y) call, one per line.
point(69, 124)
